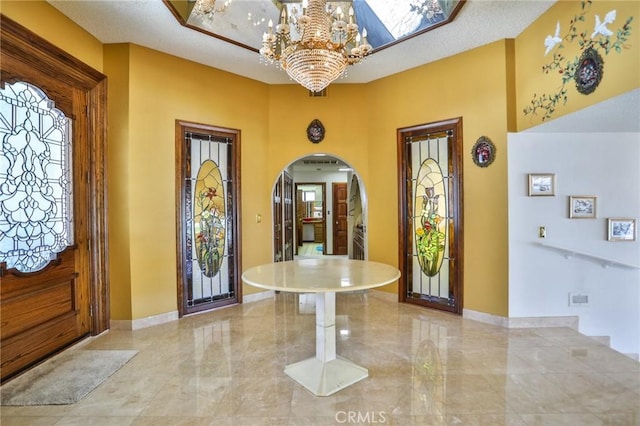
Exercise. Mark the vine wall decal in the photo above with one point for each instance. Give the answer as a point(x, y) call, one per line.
point(586, 69)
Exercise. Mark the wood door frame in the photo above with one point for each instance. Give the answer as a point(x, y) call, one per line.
point(324, 211)
point(277, 201)
point(182, 127)
point(288, 216)
point(453, 128)
point(334, 228)
point(21, 50)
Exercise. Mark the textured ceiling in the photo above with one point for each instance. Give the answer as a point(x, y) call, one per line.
point(150, 23)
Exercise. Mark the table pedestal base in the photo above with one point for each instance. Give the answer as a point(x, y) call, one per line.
point(325, 378)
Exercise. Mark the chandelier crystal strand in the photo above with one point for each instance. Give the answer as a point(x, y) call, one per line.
point(322, 47)
point(207, 8)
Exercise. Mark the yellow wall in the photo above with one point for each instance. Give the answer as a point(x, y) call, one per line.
point(621, 71)
point(149, 90)
point(162, 89)
point(44, 20)
point(116, 58)
point(470, 85)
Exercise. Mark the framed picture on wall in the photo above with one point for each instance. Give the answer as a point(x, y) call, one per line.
point(542, 184)
point(621, 229)
point(582, 206)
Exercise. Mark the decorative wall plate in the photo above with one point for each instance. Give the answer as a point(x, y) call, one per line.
point(483, 152)
point(315, 131)
point(589, 71)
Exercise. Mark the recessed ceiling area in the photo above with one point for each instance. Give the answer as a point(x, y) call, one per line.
point(319, 163)
point(153, 25)
point(385, 22)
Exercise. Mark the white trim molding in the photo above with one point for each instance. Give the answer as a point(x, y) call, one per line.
point(522, 322)
point(139, 323)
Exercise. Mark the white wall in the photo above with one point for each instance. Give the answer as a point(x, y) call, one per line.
point(606, 165)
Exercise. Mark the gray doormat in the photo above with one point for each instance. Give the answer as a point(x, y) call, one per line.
point(65, 378)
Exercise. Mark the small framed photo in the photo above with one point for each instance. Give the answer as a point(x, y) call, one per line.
point(542, 184)
point(483, 152)
point(621, 229)
point(582, 206)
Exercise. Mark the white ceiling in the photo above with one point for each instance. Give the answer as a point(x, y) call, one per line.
point(150, 23)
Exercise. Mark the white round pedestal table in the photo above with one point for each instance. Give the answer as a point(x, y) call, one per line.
point(326, 373)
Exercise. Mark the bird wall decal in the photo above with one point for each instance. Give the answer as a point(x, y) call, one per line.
point(586, 68)
point(601, 27)
point(551, 41)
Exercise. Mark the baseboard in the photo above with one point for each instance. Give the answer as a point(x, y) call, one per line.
point(635, 357)
point(541, 322)
point(522, 322)
point(485, 318)
point(605, 340)
point(256, 297)
point(139, 323)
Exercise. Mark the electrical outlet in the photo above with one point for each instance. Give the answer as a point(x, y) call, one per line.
point(542, 232)
point(579, 299)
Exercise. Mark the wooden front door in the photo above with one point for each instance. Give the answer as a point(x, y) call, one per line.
point(340, 219)
point(53, 288)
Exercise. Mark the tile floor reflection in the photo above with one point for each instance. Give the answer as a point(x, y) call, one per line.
point(425, 368)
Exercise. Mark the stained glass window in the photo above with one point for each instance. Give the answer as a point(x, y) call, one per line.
point(36, 208)
point(431, 216)
point(209, 268)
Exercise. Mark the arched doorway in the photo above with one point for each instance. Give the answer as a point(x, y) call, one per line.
point(314, 203)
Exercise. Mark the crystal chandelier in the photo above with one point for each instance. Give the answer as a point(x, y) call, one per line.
point(321, 49)
point(207, 8)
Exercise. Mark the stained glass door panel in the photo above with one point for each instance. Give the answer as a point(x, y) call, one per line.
point(208, 264)
point(430, 256)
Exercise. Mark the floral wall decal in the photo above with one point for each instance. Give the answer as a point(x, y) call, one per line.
point(585, 69)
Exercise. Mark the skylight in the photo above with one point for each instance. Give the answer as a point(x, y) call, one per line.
point(243, 22)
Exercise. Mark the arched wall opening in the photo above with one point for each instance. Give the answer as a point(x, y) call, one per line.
point(319, 199)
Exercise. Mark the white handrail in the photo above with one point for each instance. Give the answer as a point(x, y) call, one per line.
point(605, 262)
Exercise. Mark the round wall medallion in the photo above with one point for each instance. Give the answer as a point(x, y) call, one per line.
point(589, 71)
point(483, 152)
point(315, 131)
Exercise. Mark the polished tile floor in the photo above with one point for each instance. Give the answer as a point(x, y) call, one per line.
point(425, 368)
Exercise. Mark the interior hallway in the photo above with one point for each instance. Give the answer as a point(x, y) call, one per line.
point(225, 367)
point(309, 250)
